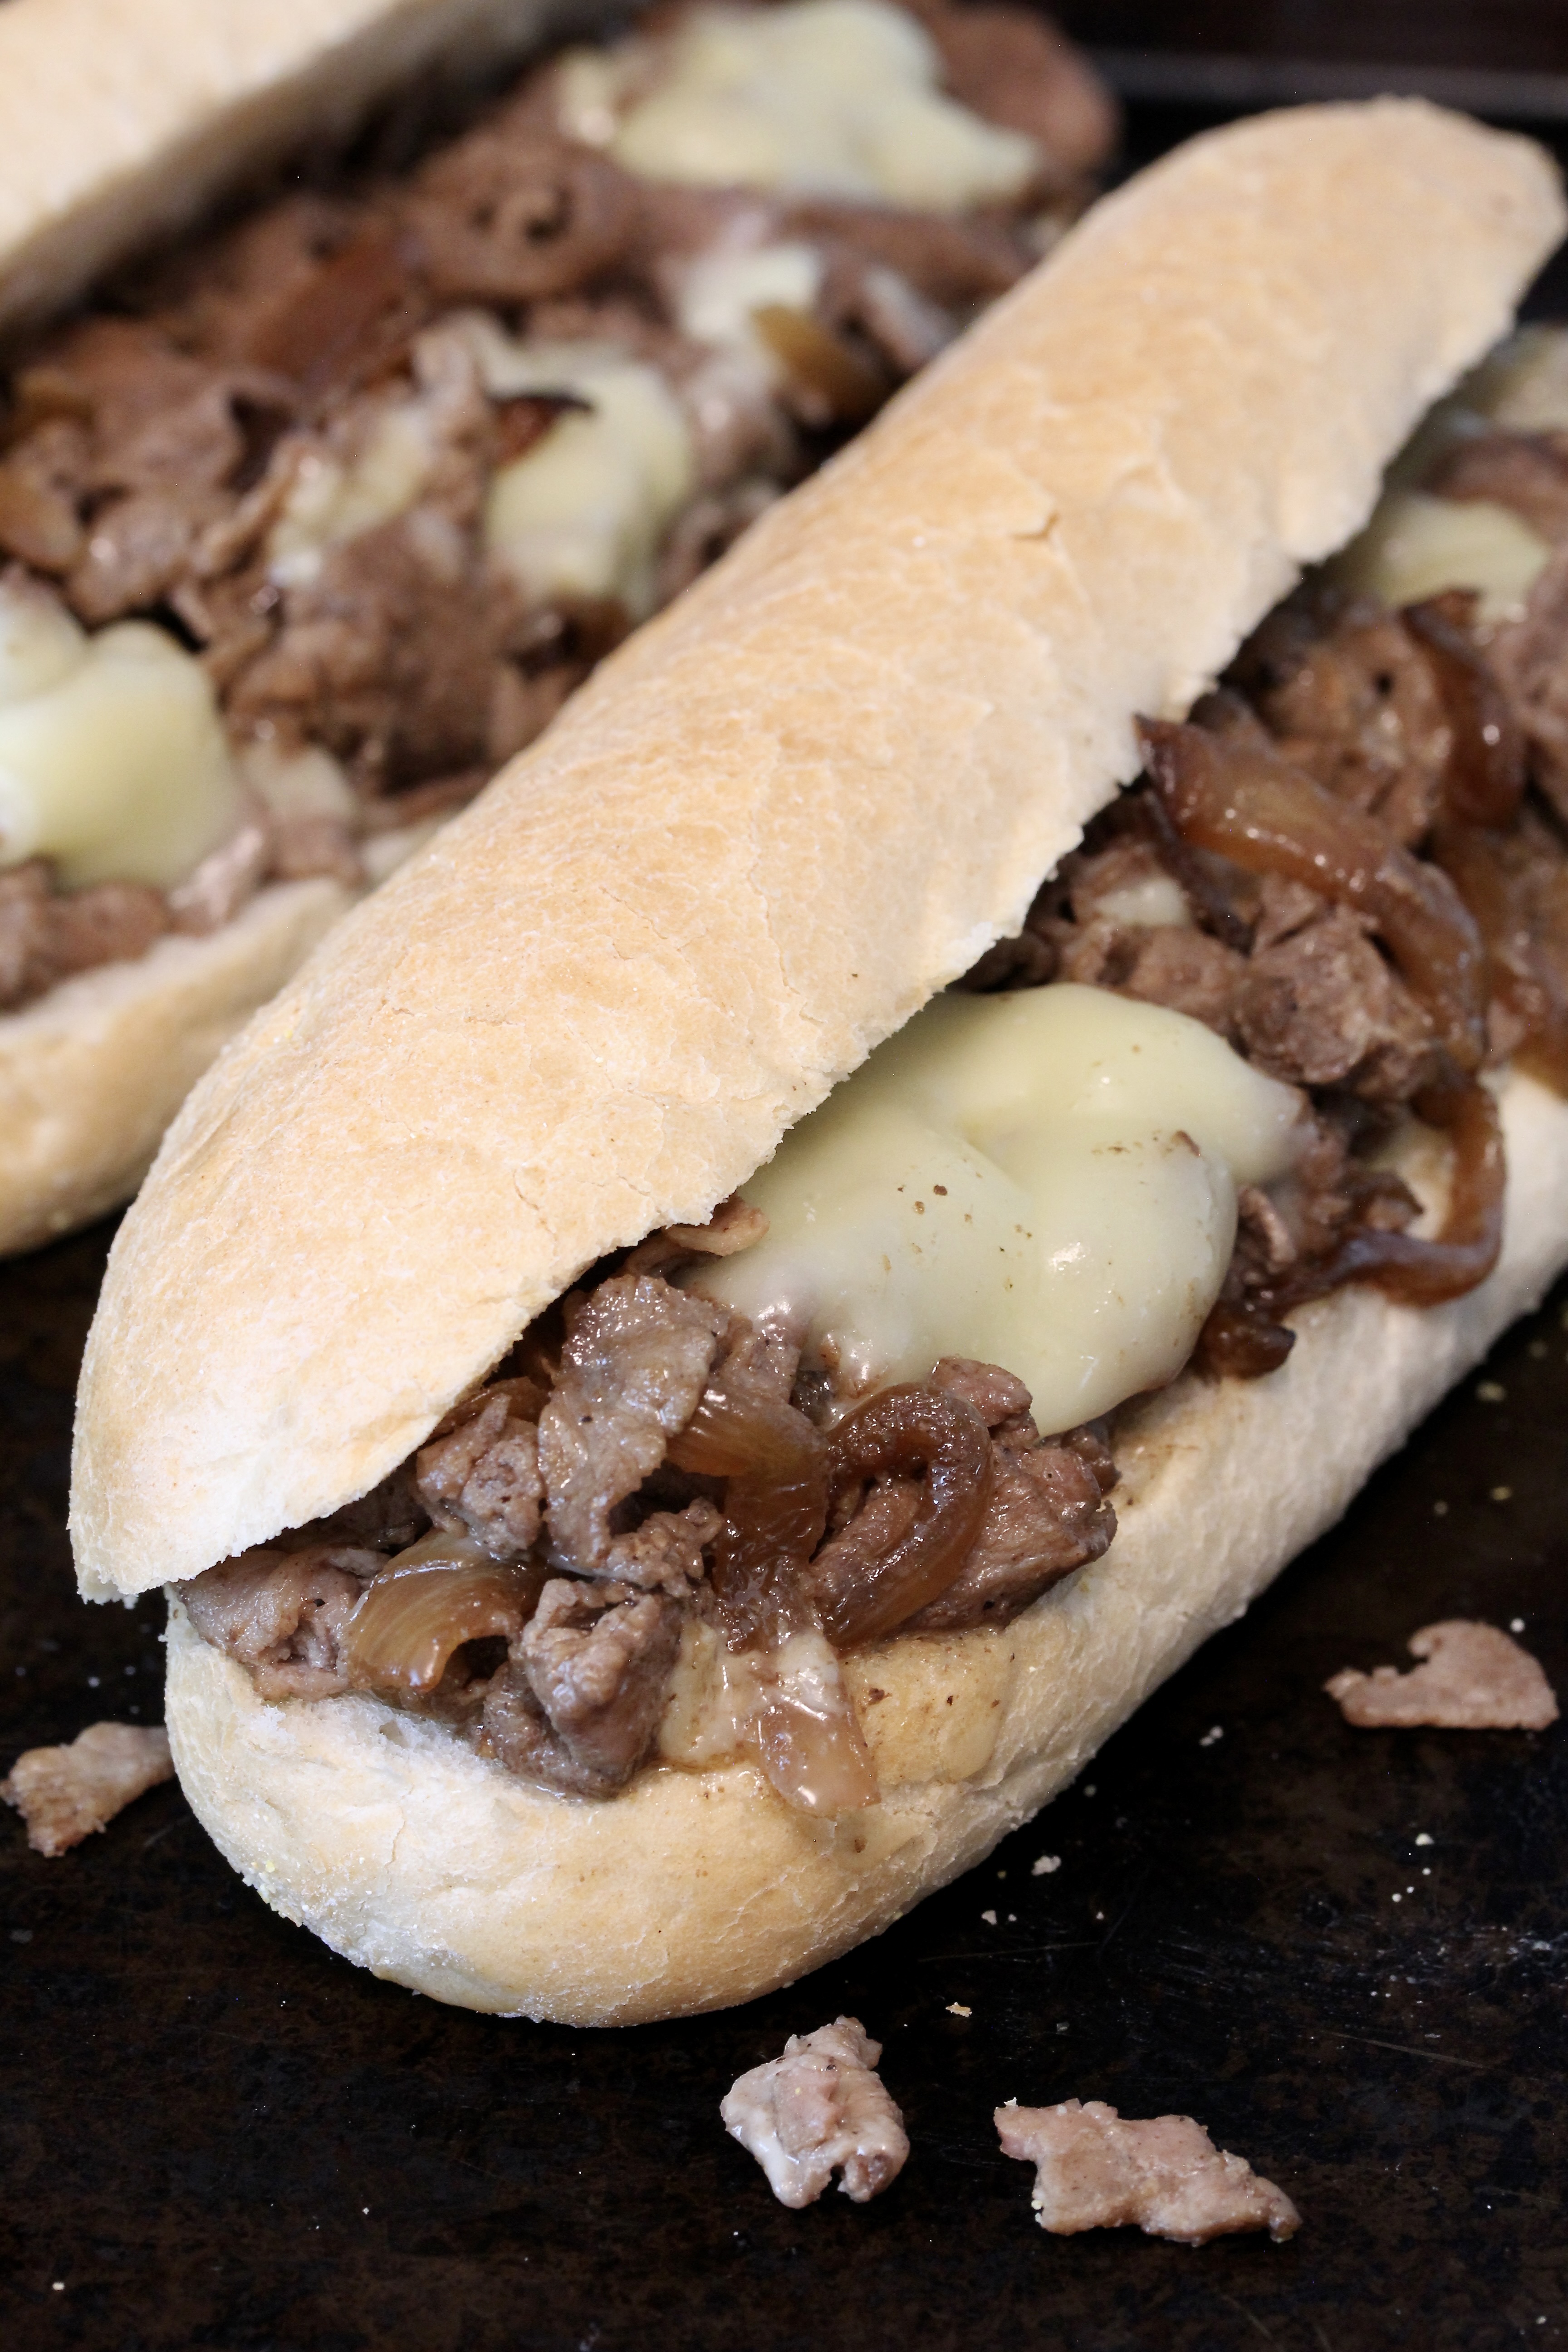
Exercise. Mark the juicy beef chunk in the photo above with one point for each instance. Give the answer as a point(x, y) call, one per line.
point(1095, 2172)
point(578, 1708)
point(820, 2109)
point(1046, 1516)
point(65, 1793)
point(482, 1474)
point(389, 1518)
point(1531, 659)
point(1322, 1009)
point(46, 936)
point(665, 1552)
point(282, 1614)
point(506, 216)
point(24, 933)
point(42, 483)
point(1526, 472)
point(637, 1360)
point(1471, 1678)
point(1350, 696)
point(1184, 970)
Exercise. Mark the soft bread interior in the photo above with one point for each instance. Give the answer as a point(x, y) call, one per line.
point(410, 1855)
point(780, 819)
point(119, 123)
point(91, 1075)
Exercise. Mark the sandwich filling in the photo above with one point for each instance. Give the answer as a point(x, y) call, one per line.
point(314, 525)
point(879, 1392)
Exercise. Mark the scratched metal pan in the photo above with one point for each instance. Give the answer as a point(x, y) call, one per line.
point(1343, 1951)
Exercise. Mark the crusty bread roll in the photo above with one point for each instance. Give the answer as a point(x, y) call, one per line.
point(769, 830)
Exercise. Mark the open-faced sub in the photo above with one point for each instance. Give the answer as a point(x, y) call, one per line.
point(741, 1313)
point(315, 515)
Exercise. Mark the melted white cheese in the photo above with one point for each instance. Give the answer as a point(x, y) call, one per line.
point(331, 500)
point(1045, 1181)
point(828, 97)
point(113, 759)
point(721, 290)
point(1416, 545)
point(582, 512)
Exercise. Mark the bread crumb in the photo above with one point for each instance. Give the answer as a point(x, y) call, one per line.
point(959, 2009)
point(989, 1918)
point(1044, 1866)
point(1215, 1731)
point(1491, 1391)
point(1425, 1837)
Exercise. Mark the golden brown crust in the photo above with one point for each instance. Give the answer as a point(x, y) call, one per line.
point(91, 1075)
point(782, 817)
point(693, 1890)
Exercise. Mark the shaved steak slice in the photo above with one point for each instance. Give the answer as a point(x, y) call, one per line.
point(1093, 2171)
point(65, 1793)
point(820, 2109)
point(1472, 1678)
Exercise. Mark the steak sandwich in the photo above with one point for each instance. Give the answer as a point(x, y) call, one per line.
point(894, 1168)
point(309, 522)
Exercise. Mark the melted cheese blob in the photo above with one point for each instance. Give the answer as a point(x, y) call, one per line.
point(582, 512)
point(836, 98)
point(113, 759)
point(1044, 1181)
point(330, 500)
point(1416, 545)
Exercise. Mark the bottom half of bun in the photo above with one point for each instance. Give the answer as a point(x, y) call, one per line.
point(91, 1075)
point(408, 1853)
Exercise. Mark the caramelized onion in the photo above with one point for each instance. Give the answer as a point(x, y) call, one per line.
point(904, 1430)
point(1241, 1342)
point(1496, 884)
point(1483, 783)
point(1423, 1273)
point(776, 1504)
point(426, 1604)
point(1256, 809)
point(812, 1747)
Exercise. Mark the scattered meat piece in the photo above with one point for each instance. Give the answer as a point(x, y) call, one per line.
point(820, 2109)
point(65, 1793)
point(637, 1359)
point(282, 1614)
point(1526, 472)
point(1096, 2172)
point(578, 1710)
point(1322, 1009)
point(480, 1473)
point(1474, 1679)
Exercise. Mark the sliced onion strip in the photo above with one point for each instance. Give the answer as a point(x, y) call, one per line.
point(426, 1604)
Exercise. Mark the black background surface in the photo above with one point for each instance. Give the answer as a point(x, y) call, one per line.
point(215, 2134)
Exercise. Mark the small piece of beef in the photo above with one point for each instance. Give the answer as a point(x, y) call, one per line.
point(1187, 972)
point(506, 216)
point(26, 901)
point(578, 1708)
point(388, 1519)
point(1350, 695)
point(65, 1793)
point(1046, 1516)
point(111, 922)
point(481, 1474)
point(1322, 1009)
point(1526, 472)
point(1096, 2172)
point(1016, 69)
point(1530, 658)
point(820, 2109)
point(281, 1614)
point(998, 1397)
point(636, 1363)
point(42, 482)
point(665, 1552)
point(1474, 1678)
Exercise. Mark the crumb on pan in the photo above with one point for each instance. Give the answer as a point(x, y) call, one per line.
point(1472, 1678)
point(1093, 2171)
point(65, 1793)
point(820, 2109)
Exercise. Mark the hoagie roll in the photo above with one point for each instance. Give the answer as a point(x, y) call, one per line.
point(627, 1550)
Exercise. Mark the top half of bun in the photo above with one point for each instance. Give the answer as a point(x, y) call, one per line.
point(120, 120)
point(783, 817)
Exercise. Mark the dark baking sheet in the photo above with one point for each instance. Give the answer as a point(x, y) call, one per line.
point(215, 2134)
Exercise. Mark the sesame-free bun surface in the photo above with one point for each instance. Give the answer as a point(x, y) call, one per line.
point(91, 1074)
point(785, 813)
point(696, 1889)
point(120, 118)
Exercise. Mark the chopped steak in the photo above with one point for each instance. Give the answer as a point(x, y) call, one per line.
point(1350, 696)
point(1473, 1678)
point(1046, 1516)
point(482, 1476)
point(45, 938)
point(1184, 970)
point(1096, 2172)
point(578, 1708)
point(1529, 657)
point(281, 1614)
point(388, 1519)
point(65, 1793)
point(820, 2109)
point(999, 1397)
point(637, 1359)
point(1322, 1008)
